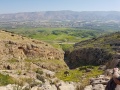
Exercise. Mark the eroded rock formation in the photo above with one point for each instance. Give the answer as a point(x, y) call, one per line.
point(88, 56)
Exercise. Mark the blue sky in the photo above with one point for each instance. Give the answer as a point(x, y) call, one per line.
point(15, 6)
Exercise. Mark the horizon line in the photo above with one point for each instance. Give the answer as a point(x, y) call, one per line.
point(58, 10)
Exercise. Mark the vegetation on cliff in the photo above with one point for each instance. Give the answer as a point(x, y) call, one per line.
point(106, 42)
point(94, 51)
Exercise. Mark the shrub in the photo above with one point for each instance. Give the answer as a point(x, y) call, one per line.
point(41, 78)
point(19, 72)
point(39, 71)
point(6, 79)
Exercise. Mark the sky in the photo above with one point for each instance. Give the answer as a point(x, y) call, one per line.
point(15, 6)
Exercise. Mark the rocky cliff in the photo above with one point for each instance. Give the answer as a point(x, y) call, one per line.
point(96, 51)
point(88, 56)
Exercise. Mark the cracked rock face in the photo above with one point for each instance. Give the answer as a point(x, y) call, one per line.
point(88, 56)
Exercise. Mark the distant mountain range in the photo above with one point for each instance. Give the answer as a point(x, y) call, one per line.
point(62, 16)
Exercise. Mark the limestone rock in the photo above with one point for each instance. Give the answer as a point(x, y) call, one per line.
point(10, 87)
point(88, 87)
point(98, 87)
point(98, 83)
point(66, 86)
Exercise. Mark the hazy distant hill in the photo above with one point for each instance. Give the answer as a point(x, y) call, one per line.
point(62, 15)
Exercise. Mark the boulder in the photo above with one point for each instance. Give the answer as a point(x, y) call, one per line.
point(98, 87)
point(89, 87)
point(66, 86)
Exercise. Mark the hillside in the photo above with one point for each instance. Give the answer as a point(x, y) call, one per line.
point(15, 49)
point(86, 19)
point(62, 15)
point(96, 51)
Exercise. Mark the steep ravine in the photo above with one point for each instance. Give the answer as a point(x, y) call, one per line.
point(96, 51)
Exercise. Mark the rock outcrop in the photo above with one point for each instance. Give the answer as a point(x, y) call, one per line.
point(42, 80)
point(98, 83)
point(116, 59)
point(88, 56)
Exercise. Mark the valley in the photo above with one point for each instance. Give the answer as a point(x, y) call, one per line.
point(58, 51)
point(27, 58)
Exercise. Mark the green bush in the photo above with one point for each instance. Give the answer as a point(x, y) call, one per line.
point(6, 79)
point(39, 71)
point(67, 47)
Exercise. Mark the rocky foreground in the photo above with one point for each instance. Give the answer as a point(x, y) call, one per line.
point(42, 80)
point(46, 80)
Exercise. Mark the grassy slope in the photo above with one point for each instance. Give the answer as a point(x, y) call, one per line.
point(58, 34)
point(60, 37)
point(103, 42)
point(80, 75)
point(6, 79)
